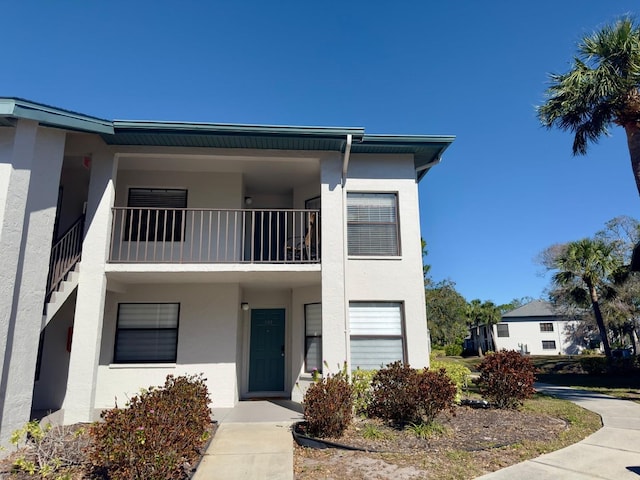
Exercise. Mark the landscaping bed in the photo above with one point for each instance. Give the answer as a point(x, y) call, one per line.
point(463, 445)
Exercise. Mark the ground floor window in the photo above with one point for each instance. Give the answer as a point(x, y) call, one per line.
point(313, 337)
point(503, 329)
point(376, 332)
point(548, 344)
point(147, 333)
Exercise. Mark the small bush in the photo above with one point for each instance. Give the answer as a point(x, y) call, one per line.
point(48, 451)
point(403, 395)
point(362, 393)
point(159, 436)
point(593, 364)
point(436, 352)
point(453, 350)
point(458, 374)
point(506, 378)
point(328, 406)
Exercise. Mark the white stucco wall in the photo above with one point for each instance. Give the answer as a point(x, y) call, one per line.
point(393, 279)
point(208, 326)
point(26, 231)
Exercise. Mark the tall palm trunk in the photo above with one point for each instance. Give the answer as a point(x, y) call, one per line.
point(633, 142)
point(599, 320)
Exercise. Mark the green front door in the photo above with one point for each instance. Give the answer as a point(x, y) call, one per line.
point(266, 350)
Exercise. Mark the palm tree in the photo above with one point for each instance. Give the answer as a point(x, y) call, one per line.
point(601, 89)
point(589, 264)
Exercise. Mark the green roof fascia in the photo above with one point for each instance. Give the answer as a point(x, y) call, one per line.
point(426, 149)
point(52, 116)
point(237, 129)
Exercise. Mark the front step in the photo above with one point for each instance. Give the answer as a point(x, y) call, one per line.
point(60, 296)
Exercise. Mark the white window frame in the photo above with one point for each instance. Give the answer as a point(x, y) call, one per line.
point(313, 335)
point(383, 331)
point(373, 230)
point(160, 320)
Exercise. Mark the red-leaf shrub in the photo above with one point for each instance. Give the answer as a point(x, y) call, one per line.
point(401, 394)
point(328, 406)
point(506, 378)
point(158, 436)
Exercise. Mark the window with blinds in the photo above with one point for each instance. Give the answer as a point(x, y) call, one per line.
point(376, 333)
point(548, 344)
point(147, 333)
point(313, 337)
point(372, 224)
point(503, 329)
point(152, 215)
point(546, 326)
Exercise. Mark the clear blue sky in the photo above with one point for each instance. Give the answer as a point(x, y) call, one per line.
point(505, 190)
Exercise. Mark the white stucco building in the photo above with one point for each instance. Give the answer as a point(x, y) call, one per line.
point(535, 328)
point(252, 254)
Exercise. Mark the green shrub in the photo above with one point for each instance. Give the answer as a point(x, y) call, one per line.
point(361, 383)
point(159, 436)
point(328, 406)
point(453, 350)
point(436, 352)
point(403, 395)
point(506, 378)
point(458, 374)
point(593, 364)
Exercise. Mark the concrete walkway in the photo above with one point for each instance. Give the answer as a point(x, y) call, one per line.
point(613, 452)
point(253, 442)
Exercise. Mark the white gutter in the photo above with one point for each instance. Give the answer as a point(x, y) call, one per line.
point(345, 160)
point(429, 165)
point(345, 248)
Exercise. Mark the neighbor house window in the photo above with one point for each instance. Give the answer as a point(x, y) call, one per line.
point(548, 344)
point(372, 224)
point(546, 327)
point(153, 216)
point(313, 337)
point(376, 330)
point(503, 329)
point(147, 333)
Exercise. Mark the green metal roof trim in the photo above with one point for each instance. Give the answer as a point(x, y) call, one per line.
point(16, 108)
point(426, 149)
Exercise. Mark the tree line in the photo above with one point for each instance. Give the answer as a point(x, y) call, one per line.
point(591, 282)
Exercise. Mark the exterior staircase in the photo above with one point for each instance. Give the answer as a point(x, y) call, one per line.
point(59, 296)
point(63, 269)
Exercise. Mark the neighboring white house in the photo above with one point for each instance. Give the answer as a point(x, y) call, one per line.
point(535, 329)
point(252, 254)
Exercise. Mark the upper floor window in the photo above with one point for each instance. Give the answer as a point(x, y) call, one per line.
point(546, 327)
point(146, 333)
point(372, 224)
point(153, 215)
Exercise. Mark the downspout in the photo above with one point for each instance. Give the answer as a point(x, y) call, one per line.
point(345, 248)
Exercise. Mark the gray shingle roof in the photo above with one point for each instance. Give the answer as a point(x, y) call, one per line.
point(537, 308)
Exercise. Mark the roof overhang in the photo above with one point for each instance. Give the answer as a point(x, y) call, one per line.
point(426, 149)
point(12, 109)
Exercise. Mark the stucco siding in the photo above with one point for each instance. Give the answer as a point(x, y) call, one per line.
point(525, 335)
point(208, 324)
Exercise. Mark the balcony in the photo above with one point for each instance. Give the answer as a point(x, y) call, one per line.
point(205, 235)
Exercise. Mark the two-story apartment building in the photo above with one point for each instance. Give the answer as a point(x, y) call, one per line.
point(252, 254)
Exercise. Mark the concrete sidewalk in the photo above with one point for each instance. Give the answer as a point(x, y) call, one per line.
point(613, 452)
point(253, 442)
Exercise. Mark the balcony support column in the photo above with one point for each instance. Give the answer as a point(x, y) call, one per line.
point(30, 164)
point(92, 284)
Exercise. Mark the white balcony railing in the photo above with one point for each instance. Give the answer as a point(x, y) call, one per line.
point(201, 235)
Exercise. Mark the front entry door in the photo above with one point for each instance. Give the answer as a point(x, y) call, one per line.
point(266, 350)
